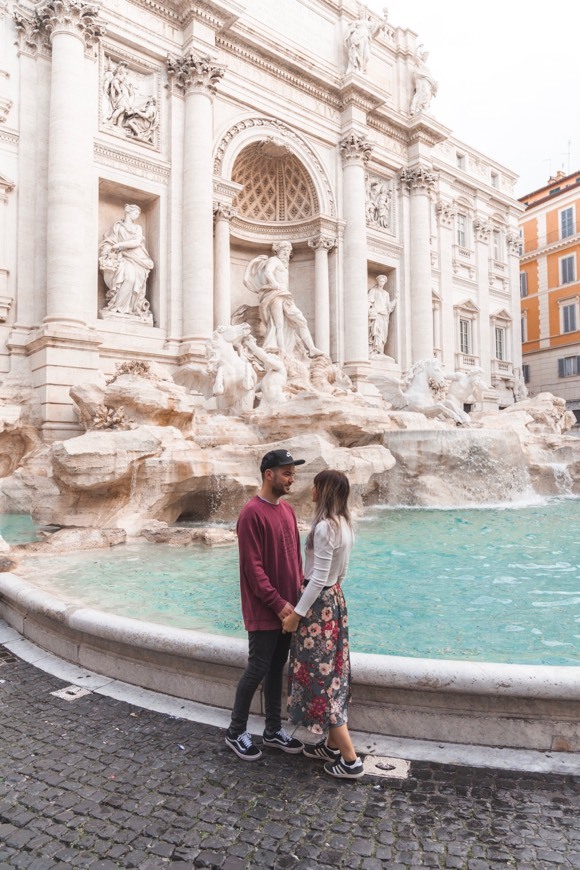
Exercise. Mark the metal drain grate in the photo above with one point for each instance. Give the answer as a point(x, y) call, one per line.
point(390, 768)
point(6, 657)
point(71, 693)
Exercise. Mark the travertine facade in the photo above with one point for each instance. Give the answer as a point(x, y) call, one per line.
point(220, 128)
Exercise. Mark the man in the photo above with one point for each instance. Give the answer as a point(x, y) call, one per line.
point(270, 580)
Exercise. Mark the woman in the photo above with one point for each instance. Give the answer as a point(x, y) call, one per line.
point(319, 682)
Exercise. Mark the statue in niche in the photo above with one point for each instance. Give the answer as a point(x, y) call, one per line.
point(381, 306)
point(425, 86)
point(125, 264)
point(124, 108)
point(280, 316)
point(378, 202)
point(358, 39)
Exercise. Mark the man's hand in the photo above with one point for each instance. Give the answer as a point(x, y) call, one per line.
point(286, 611)
point(290, 623)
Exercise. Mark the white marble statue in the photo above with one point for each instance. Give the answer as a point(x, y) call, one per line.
point(381, 306)
point(124, 108)
point(423, 389)
point(464, 388)
point(280, 316)
point(228, 374)
point(378, 202)
point(425, 86)
point(142, 122)
point(519, 388)
point(358, 39)
point(275, 377)
point(125, 264)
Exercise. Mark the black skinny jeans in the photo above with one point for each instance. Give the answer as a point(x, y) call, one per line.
point(268, 652)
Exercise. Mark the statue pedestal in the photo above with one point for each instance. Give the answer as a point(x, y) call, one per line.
point(385, 365)
point(147, 319)
point(61, 355)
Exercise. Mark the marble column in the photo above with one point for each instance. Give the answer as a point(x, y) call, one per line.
point(222, 274)
point(513, 246)
point(322, 245)
point(72, 27)
point(481, 330)
point(197, 78)
point(355, 152)
point(420, 182)
point(443, 322)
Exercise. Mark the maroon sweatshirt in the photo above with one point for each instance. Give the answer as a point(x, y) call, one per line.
point(270, 562)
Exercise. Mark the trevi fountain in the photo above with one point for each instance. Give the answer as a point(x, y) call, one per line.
point(248, 234)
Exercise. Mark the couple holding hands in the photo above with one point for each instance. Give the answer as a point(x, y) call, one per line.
point(306, 618)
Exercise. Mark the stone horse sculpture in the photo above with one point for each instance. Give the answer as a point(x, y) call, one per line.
point(228, 375)
point(425, 389)
point(464, 388)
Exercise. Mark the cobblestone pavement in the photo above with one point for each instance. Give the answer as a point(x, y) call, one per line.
point(98, 783)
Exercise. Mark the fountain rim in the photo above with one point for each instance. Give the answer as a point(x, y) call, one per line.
point(546, 682)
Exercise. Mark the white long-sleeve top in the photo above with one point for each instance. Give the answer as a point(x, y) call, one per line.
point(326, 563)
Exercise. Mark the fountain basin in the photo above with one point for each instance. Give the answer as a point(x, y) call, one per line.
point(503, 705)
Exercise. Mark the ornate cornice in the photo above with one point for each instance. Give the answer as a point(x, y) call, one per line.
point(5, 106)
point(9, 137)
point(37, 28)
point(108, 156)
point(293, 75)
point(193, 74)
point(181, 14)
point(296, 233)
point(418, 178)
point(355, 148)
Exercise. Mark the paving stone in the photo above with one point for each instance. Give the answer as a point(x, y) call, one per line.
point(96, 783)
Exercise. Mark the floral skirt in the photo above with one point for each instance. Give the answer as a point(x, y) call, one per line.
point(319, 668)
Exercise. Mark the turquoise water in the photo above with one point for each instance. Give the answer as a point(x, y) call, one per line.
point(17, 528)
point(499, 585)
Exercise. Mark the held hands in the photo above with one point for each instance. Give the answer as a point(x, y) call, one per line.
point(286, 611)
point(290, 623)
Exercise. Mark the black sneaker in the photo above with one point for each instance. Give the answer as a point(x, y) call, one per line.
point(321, 750)
point(243, 746)
point(341, 770)
point(283, 741)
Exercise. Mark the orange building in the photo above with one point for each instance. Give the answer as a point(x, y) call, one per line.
point(550, 289)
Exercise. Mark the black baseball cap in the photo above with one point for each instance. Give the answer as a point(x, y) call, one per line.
point(276, 458)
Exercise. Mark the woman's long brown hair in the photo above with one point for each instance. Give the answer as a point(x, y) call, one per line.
point(333, 490)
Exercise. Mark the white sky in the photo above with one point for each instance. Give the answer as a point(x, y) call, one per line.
point(508, 74)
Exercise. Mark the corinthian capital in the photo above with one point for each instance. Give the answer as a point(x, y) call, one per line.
point(419, 179)
point(482, 228)
point(37, 28)
point(322, 243)
point(355, 148)
point(194, 74)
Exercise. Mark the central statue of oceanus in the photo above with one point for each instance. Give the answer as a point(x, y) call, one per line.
point(284, 323)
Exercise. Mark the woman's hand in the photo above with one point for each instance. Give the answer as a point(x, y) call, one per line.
point(290, 623)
